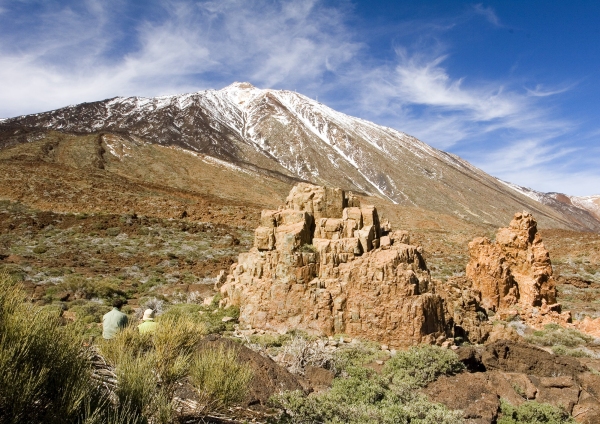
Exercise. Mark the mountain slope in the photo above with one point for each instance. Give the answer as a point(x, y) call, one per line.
point(289, 136)
point(573, 205)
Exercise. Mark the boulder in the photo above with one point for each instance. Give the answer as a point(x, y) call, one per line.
point(366, 235)
point(370, 218)
point(268, 218)
point(399, 236)
point(264, 238)
point(320, 202)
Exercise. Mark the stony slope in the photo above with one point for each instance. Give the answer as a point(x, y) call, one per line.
point(289, 136)
point(108, 173)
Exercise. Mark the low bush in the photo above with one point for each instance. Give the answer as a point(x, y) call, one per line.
point(45, 374)
point(422, 364)
point(210, 316)
point(219, 378)
point(356, 355)
point(40, 249)
point(363, 397)
point(175, 339)
point(170, 346)
point(555, 335)
point(302, 351)
point(88, 312)
point(533, 413)
point(564, 341)
point(577, 353)
point(83, 288)
point(113, 231)
point(148, 366)
point(266, 341)
point(190, 311)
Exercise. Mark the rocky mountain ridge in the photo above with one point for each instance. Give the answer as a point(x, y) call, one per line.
point(590, 204)
point(289, 136)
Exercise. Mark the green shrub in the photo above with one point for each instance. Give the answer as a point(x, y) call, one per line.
point(270, 340)
point(190, 311)
point(210, 316)
point(113, 231)
point(128, 342)
point(137, 383)
point(577, 353)
point(40, 249)
point(143, 231)
point(308, 248)
point(219, 378)
point(88, 312)
point(169, 348)
point(106, 288)
point(363, 397)
point(360, 395)
point(148, 366)
point(533, 413)
point(45, 375)
point(175, 339)
point(555, 335)
point(422, 364)
point(356, 355)
point(564, 341)
point(13, 271)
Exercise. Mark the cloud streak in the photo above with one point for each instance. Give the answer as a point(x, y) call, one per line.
point(488, 13)
point(190, 47)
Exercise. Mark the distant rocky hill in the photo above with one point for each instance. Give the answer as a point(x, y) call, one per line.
point(571, 205)
point(286, 136)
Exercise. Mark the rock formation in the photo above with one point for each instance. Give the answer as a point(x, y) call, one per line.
point(514, 273)
point(466, 319)
point(325, 264)
point(518, 373)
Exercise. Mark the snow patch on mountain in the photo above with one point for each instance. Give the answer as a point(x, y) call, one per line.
point(291, 136)
point(532, 194)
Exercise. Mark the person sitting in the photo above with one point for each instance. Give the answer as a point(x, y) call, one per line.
point(148, 325)
point(114, 321)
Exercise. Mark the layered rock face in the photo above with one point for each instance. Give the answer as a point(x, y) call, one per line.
point(514, 273)
point(324, 263)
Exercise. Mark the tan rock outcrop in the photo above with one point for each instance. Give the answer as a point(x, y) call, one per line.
point(515, 270)
point(514, 274)
point(324, 264)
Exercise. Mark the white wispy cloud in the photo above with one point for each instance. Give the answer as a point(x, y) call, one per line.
point(488, 13)
point(524, 154)
point(543, 165)
point(69, 58)
point(540, 91)
point(444, 111)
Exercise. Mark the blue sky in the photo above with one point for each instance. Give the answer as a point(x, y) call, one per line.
point(511, 86)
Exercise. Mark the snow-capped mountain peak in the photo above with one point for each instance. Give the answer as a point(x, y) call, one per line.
point(288, 135)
